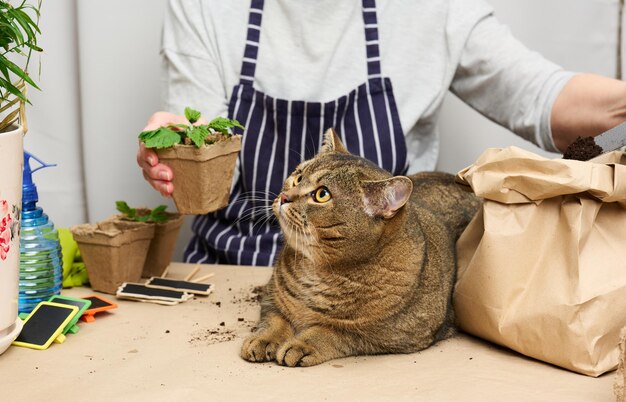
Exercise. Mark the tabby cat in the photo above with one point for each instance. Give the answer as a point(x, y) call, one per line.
point(368, 263)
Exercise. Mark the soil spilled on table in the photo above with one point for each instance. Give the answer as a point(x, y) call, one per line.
point(582, 149)
point(239, 327)
point(211, 336)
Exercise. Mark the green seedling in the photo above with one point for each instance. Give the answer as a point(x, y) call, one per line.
point(198, 134)
point(156, 215)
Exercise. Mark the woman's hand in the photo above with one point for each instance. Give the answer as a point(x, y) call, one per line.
point(588, 105)
point(159, 176)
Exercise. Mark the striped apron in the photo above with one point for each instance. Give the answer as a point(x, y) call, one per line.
point(282, 133)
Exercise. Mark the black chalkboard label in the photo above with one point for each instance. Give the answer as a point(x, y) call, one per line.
point(72, 302)
point(97, 302)
point(142, 290)
point(180, 285)
point(43, 322)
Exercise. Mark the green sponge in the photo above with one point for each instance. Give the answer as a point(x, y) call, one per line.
point(74, 271)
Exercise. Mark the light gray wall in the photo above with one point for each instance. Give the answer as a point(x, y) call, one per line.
point(118, 48)
point(580, 35)
point(100, 83)
point(55, 117)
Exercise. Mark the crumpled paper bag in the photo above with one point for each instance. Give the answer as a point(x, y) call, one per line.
point(542, 266)
point(619, 387)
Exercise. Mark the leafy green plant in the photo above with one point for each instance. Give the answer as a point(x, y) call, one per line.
point(157, 214)
point(167, 136)
point(19, 28)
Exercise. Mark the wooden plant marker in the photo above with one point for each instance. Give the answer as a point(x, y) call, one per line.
point(98, 304)
point(185, 285)
point(193, 272)
point(45, 325)
point(141, 292)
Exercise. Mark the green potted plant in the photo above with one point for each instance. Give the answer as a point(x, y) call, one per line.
point(19, 31)
point(166, 228)
point(202, 158)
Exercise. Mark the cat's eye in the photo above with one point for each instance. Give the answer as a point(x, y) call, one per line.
point(321, 195)
point(297, 180)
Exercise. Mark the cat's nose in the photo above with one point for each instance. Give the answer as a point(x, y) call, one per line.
point(284, 199)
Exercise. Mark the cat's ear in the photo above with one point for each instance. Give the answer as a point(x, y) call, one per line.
point(332, 142)
point(384, 198)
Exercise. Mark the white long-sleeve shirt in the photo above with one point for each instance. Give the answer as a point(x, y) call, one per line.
point(314, 50)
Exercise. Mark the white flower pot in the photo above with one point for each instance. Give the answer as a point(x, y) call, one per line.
point(11, 164)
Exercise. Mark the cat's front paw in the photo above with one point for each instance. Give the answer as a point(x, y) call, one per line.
point(297, 353)
point(258, 349)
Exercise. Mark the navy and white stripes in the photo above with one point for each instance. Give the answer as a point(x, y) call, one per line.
point(251, 51)
point(282, 133)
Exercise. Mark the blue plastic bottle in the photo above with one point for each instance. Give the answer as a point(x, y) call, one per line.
point(41, 266)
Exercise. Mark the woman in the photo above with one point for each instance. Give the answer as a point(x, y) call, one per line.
point(376, 71)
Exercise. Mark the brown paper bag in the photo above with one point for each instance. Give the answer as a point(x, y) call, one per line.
point(619, 387)
point(542, 267)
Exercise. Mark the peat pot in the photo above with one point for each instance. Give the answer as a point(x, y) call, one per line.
point(202, 176)
point(162, 244)
point(113, 251)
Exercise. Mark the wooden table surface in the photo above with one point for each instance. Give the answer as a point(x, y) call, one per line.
point(190, 351)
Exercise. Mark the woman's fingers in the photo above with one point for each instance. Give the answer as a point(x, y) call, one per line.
point(158, 175)
point(146, 156)
point(160, 119)
point(166, 188)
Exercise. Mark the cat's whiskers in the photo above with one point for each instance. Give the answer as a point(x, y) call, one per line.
point(310, 241)
point(259, 193)
point(296, 232)
point(266, 200)
point(298, 154)
point(250, 199)
point(309, 146)
point(256, 197)
point(264, 218)
point(318, 245)
point(251, 213)
point(293, 228)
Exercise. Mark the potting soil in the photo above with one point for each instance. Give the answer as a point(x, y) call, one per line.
point(582, 149)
